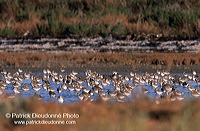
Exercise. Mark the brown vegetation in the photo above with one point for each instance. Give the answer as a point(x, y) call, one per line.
point(140, 114)
point(99, 17)
point(67, 59)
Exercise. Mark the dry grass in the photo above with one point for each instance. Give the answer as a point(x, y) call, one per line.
point(140, 114)
point(66, 59)
point(30, 25)
point(145, 27)
point(113, 19)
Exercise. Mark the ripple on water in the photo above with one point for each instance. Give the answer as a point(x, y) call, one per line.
point(71, 96)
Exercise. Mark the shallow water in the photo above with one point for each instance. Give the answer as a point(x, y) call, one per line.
point(71, 96)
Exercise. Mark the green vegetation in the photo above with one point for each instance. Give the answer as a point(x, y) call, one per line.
point(99, 17)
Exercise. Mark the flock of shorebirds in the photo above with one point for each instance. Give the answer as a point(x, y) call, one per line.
point(163, 84)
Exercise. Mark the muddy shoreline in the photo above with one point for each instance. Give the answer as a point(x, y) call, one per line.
point(102, 62)
point(100, 54)
point(95, 45)
point(108, 69)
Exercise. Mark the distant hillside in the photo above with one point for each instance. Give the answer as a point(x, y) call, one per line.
point(99, 17)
